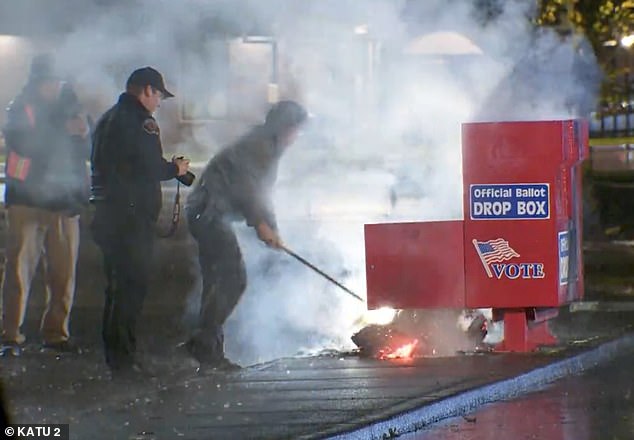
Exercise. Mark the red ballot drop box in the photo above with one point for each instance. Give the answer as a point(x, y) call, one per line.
point(518, 249)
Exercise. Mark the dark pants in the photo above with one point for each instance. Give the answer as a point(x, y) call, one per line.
point(127, 251)
point(224, 282)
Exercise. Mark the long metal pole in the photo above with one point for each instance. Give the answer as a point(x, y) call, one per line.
point(320, 272)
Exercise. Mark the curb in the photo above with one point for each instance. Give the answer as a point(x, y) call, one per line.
point(464, 402)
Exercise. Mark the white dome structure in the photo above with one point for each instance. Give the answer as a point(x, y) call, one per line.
point(442, 43)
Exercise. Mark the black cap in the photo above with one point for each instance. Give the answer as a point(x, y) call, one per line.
point(147, 76)
point(42, 68)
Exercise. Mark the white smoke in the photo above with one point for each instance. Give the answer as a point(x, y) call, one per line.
point(383, 145)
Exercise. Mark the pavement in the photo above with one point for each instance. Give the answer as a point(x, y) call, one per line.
point(332, 395)
point(594, 405)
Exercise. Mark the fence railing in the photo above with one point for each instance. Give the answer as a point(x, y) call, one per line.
point(615, 116)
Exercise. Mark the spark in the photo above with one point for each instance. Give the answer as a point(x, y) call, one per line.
point(382, 316)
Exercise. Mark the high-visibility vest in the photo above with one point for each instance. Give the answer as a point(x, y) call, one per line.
point(17, 166)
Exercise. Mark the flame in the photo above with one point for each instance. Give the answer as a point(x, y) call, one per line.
point(403, 352)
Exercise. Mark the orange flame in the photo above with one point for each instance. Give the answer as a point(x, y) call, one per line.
point(404, 351)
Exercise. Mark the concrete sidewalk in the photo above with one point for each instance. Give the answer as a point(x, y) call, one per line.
point(335, 395)
point(300, 398)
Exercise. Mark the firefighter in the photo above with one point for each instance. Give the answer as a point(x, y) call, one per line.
point(127, 167)
point(46, 190)
point(235, 186)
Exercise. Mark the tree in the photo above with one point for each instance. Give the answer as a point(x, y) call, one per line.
point(602, 21)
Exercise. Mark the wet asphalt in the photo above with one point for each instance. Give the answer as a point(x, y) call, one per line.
point(596, 405)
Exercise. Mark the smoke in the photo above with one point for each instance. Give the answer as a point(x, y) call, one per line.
point(384, 140)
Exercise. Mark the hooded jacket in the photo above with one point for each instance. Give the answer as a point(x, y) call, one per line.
point(238, 182)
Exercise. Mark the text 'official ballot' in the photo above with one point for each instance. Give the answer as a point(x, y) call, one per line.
point(520, 201)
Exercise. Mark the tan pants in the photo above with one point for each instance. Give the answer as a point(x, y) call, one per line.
point(34, 231)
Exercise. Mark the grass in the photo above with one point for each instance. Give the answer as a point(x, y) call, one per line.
point(602, 142)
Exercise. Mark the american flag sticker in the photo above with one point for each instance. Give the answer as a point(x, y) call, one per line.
point(493, 251)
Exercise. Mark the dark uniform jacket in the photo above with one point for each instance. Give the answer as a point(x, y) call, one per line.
point(238, 182)
point(45, 166)
point(127, 162)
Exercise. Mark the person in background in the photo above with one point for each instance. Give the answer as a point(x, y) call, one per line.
point(236, 185)
point(47, 143)
point(127, 169)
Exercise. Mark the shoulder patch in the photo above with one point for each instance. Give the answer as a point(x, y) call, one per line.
point(151, 127)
